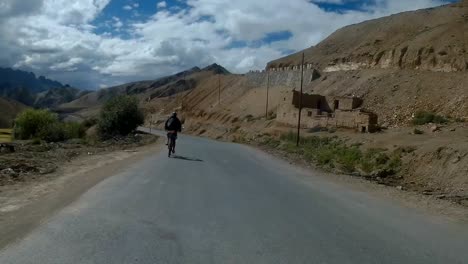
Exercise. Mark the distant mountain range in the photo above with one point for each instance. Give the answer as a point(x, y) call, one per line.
point(30, 90)
point(162, 87)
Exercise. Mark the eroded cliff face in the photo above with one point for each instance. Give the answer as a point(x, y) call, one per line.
point(429, 40)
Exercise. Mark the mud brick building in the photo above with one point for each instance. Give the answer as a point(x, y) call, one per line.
point(325, 111)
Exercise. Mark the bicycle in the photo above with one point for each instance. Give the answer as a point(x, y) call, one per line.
point(172, 135)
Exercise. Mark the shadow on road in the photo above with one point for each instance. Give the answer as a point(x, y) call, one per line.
point(186, 158)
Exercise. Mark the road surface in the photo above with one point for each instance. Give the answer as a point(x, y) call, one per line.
point(228, 203)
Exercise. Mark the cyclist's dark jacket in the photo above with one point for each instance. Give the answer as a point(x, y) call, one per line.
point(173, 124)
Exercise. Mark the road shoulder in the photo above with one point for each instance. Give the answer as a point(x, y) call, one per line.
point(27, 206)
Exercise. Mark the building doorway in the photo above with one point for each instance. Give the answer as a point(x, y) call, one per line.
point(336, 104)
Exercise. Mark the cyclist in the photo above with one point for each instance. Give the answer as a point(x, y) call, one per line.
point(172, 126)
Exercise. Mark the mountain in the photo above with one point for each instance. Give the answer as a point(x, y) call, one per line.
point(57, 96)
point(147, 90)
point(216, 68)
point(30, 90)
point(8, 111)
point(433, 39)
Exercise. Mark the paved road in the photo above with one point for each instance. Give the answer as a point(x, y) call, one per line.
point(227, 203)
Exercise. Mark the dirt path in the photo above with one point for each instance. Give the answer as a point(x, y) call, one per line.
point(24, 206)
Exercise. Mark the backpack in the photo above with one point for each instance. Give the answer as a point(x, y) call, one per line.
point(169, 122)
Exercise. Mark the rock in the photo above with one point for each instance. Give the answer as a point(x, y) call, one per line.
point(427, 192)
point(453, 129)
point(47, 170)
point(441, 196)
point(399, 188)
point(8, 171)
point(435, 128)
point(456, 159)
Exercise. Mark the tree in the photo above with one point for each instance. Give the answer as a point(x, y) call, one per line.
point(120, 116)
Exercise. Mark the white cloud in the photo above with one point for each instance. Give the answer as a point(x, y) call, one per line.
point(69, 65)
point(127, 7)
point(136, 5)
point(161, 5)
point(57, 37)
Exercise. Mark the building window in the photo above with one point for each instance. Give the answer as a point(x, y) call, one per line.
point(309, 113)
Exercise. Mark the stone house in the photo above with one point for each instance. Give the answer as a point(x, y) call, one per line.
point(325, 111)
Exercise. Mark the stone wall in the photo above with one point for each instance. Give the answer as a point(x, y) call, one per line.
point(290, 78)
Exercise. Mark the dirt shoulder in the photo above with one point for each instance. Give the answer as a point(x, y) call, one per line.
point(24, 205)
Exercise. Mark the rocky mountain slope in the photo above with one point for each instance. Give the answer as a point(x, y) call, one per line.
point(41, 92)
point(430, 39)
point(147, 90)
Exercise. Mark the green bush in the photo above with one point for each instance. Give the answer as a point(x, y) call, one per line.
point(74, 130)
point(32, 123)
point(439, 119)
point(418, 131)
point(54, 132)
point(59, 131)
point(120, 116)
point(423, 117)
point(44, 125)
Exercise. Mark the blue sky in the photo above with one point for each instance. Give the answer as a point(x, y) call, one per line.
point(99, 43)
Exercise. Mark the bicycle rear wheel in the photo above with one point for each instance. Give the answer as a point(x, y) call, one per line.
point(169, 147)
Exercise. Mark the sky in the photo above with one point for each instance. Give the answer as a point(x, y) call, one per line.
point(93, 44)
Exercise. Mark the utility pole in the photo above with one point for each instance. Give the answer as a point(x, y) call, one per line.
point(300, 103)
point(267, 88)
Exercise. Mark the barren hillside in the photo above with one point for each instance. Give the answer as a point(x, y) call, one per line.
point(145, 90)
point(431, 39)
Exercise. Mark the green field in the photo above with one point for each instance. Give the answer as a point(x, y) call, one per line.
point(6, 135)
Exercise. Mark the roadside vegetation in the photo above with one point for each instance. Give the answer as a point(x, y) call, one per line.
point(424, 117)
point(49, 143)
point(45, 125)
point(334, 154)
point(119, 117)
